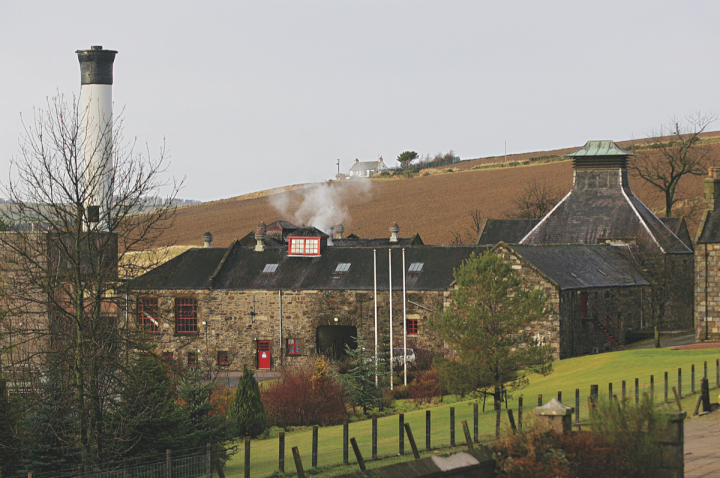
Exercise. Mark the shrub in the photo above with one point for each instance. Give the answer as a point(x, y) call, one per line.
point(425, 387)
point(221, 398)
point(401, 392)
point(513, 163)
point(303, 396)
point(247, 416)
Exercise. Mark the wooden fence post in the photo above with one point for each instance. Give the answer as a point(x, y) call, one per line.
point(623, 392)
point(452, 426)
point(427, 429)
point(466, 430)
point(677, 399)
point(705, 369)
point(594, 394)
point(168, 463)
point(413, 446)
point(666, 387)
point(692, 378)
point(315, 447)
point(520, 400)
point(298, 462)
point(247, 458)
point(652, 387)
point(717, 372)
point(281, 452)
point(374, 439)
point(346, 435)
point(610, 394)
point(208, 463)
point(358, 455)
point(512, 420)
point(475, 422)
point(539, 399)
point(637, 391)
point(559, 396)
point(401, 434)
point(679, 387)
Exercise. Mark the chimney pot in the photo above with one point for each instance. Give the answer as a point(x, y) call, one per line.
point(712, 190)
point(96, 47)
point(260, 237)
point(339, 231)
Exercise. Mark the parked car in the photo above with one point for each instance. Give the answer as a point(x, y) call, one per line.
point(398, 355)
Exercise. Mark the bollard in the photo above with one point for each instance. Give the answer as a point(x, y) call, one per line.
point(358, 455)
point(346, 434)
point(298, 462)
point(475, 422)
point(520, 413)
point(315, 446)
point(427, 429)
point(401, 436)
point(281, 452)
point(452, 426)
point(374, 438)
point(247, 458)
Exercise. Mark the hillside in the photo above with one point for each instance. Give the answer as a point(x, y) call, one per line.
point(432, 205)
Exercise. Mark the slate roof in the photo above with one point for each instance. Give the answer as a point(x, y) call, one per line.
point(242, 269)
point(356, 241)
point(189, 270)
point(307, 232)
point(583, 266)
point(365, 166)
point(509, 231)
point(601, 205)
point(710, 228)
point(679, 227)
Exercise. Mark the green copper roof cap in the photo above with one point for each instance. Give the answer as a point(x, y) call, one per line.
point(599, 148)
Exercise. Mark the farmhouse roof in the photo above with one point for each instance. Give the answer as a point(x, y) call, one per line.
point(241, 268)
point(307, 232)
point(367, 166)
point(583, 266)
point(510, 231)
point(356, 241)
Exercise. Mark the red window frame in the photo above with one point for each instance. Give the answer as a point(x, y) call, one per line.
point(192, 359)
point(147, 311)
point(412, 326)
point(583, 304)
point(222, 358)
point(186, 315)
point(293, 346)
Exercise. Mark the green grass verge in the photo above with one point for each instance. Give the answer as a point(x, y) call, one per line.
point(568, 375)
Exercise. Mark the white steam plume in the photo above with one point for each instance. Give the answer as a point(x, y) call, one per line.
point(321, 205)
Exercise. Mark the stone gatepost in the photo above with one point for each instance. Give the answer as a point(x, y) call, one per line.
point(672, 446)
point(554, 416)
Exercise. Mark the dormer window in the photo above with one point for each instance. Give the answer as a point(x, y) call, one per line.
point(306, 241)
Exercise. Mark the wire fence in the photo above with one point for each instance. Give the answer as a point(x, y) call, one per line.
point(191, 463)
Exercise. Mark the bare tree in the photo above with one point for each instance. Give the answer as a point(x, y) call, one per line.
point(65, 303)
point(680, 152)
point(535, 200)
point(469, 233)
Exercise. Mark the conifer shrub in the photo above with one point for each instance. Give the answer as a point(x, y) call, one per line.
point(246, 416)
point(305, 395)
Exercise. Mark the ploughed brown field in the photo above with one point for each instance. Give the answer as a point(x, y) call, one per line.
point(434, 206)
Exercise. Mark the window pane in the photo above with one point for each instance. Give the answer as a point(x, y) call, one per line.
point(311, 246)
point(147, 313)
point(297, 246)
point(185, 315)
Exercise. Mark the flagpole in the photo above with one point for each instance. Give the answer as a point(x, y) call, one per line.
point(376, 324)
point(391, 324)
point(404, 322)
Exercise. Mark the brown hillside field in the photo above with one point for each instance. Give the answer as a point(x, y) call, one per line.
point(432, 205)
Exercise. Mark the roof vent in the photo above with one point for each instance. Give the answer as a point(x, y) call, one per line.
point(394, 229)
point(338, 232)
point(260, 237)
point(207, 239)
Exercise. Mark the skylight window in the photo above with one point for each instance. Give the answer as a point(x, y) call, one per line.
point(416, 267)
point(270, 268)
point(342, 267)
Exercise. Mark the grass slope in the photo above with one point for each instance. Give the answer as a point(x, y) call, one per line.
point(580, 372)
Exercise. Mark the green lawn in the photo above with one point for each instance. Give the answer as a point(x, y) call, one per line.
point(568, 375)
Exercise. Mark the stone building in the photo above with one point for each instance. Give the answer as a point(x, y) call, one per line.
point(707, 264)
point(601, 211)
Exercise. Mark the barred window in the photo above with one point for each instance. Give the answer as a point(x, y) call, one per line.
point(297, 246)
point(147, 313)
point(412, 326)
point(186, 315)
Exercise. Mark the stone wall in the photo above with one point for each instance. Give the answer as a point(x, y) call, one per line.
point(236, 320)
point(707, 292)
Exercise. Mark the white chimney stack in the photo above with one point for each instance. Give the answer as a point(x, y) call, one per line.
point(96, 79)
point(394, 229)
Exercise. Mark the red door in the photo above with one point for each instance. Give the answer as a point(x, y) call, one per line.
point(263, 350)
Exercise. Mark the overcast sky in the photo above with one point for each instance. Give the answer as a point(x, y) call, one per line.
point(255, 95)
